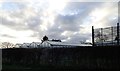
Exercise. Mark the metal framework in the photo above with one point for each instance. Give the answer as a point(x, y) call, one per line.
point(106, 36)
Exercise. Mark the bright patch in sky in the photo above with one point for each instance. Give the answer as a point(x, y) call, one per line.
point(57, 5)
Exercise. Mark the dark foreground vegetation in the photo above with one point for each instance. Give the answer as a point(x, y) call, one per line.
point(61, 59)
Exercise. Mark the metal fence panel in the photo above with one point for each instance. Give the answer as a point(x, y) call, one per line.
point(106, 36)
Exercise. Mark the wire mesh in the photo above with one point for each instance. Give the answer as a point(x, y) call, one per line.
point(106, 36)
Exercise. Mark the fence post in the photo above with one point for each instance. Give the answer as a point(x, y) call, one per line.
point(93, 36)
point(118, 33)
point(101, 35)
point(112, 35)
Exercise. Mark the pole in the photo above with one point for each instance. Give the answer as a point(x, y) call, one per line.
point(118, 33)
point(112, 35)
point(93, 36)
point(102, 36)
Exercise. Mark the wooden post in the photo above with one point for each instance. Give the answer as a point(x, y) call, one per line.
point(93, 36)
point(118, 33)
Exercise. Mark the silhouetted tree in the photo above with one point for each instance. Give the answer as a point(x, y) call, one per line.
point(7, 45)
point(45, 38)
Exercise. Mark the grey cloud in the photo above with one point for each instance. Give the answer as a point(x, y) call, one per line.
point(12, 24)
point(12, 6)
point(6, 35)
point(72, 22)
point(13, 10)
point(33, 23)
point(79, 37)
point(82, 8)
point(111, 22)
point(55, 29)
point(67, 22)
point(4, 21)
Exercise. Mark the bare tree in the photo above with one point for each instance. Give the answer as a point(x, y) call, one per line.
point(7, 45)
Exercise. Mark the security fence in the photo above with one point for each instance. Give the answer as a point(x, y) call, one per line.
point(106, 36)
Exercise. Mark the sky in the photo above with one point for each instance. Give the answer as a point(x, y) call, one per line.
point(26, 21)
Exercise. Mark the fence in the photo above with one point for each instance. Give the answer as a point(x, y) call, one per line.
point(78, 58)
point(106, 36)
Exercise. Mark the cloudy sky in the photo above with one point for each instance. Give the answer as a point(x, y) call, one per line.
point(71, 21)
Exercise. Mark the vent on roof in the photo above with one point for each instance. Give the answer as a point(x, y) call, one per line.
point(56, 40)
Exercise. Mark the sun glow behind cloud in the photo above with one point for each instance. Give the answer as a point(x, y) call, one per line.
point(49, 15)
point(18, 36)
point(57, 5)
